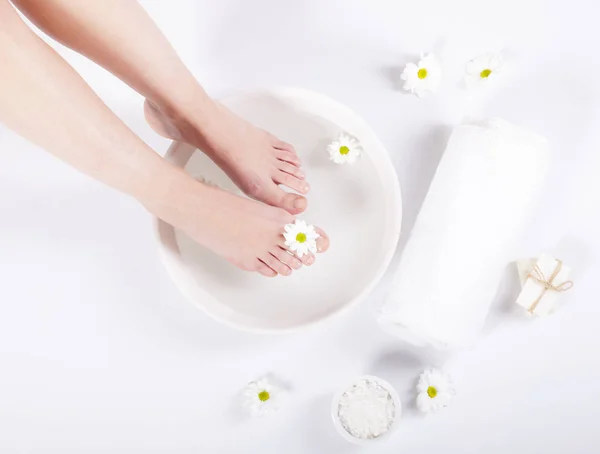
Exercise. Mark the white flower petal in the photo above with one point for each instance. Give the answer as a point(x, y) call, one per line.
point(300, 248)
point(472, 68)
point(485, 62)
point(443, 387)
point(410, 70)
point(496, 64)
point(430, 62)
point(410, 80)
point(443, 399)
point(343, 140)
point(252, 402)
point(262, 384)
point(424, 403)
point(429, 83)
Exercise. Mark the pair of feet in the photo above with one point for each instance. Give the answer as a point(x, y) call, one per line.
point(248, 233)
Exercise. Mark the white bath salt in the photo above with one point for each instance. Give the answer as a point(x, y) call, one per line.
point(366, 410)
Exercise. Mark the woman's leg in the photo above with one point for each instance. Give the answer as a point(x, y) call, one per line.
point(45, 100)
point(120, 36)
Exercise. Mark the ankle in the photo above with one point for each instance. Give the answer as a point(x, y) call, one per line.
point(172, 187)
point(195, 109)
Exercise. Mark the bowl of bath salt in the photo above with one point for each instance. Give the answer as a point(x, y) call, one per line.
point(366, 411)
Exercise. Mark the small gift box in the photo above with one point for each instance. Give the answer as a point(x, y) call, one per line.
point(543, 279)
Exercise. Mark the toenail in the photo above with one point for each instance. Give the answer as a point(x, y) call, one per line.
point(297, 264)
point(310, 260)
point(305, 188)
point(299, 202)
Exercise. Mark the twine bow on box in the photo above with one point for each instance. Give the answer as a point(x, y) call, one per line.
point(548, 283)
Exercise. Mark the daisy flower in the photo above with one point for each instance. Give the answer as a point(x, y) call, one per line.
point(262, 397)
point(435, 390)
point(301, 238)
point(423, 77)
point(483, 69)
point(344, 149)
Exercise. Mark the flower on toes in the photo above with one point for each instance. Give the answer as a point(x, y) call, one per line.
point(483, 69)
point(423, 77)
point(344, 149)
point(262, 397)
point(301, 238)
point(435, 390)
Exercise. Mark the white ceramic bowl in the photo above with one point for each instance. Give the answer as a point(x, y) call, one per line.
point(359, 206)
point(365, 441)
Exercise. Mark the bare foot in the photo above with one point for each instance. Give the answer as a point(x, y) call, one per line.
point(256, 161)
point(247, 233)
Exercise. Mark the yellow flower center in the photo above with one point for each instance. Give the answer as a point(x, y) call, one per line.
point(344, 150)
point(301, 237)
point(263, 396)
point(422, 74)
point(485, 73)
point(431, 392)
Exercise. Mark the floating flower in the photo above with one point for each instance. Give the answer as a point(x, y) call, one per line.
point(483, 69)
point(344, 149)
point(423, 77)
point(301, 238)
point(262, 397)
point(435, 390)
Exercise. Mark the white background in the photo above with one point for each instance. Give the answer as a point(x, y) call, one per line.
point(100, 353)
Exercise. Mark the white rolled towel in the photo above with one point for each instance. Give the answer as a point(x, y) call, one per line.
point(462, 240)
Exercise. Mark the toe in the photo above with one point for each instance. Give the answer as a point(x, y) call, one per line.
point(285, 257)
point(293, 203)
point(277, 197)
point(276, 265)
point(265, 270)
point(308, 259)
point(291, 182)
point(322, 241)
point(290, 169)
point(287, 156)
point(281, 145)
